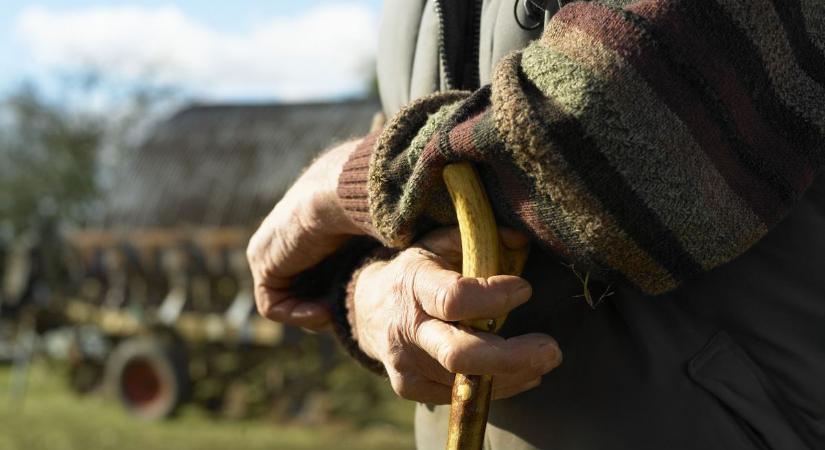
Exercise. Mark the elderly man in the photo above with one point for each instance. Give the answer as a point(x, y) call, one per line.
point(660, 156)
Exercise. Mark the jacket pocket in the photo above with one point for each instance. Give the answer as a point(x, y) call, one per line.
point(725, 370)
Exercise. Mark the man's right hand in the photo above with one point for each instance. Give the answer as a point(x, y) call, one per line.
point(305, 227)
point(404, 311)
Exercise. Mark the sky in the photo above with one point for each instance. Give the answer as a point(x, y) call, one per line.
point(217, 50)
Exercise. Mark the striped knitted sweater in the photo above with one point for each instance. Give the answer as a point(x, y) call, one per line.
point(650, 143)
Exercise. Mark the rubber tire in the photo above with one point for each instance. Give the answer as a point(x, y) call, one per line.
point(149, 376)
point(85, 375)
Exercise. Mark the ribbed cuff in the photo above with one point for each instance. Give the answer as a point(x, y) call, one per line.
point(352, 184)
point(343, 314)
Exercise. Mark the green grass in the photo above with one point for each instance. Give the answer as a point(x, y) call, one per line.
point(52, 417)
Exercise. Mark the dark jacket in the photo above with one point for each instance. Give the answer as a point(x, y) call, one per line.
point(734, 357)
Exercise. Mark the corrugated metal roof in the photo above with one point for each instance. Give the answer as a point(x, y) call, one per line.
point(226, 165)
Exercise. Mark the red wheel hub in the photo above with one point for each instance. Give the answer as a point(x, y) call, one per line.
point(142, 384)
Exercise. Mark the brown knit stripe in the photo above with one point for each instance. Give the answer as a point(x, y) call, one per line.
point(350, 179)
point(648, 144)
point(459, 115)
point(352, 184)
point(461, 138)
point(553, 179)
point(419, 199)
point(711, 20)
point(714, 68)
point(678, 96)
point(520, 203)
point(536, 152)
point(666, 68)
point(579, 104)
point(762, 25)
point(525, 150)
point(361, 160)
point(476, 139)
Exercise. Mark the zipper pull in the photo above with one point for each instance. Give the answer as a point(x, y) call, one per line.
point(534, 13)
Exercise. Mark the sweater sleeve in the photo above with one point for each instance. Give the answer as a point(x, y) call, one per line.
point(650, 143)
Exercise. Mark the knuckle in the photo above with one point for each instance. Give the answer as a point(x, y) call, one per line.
point(264, 309)
point(252, 249)
point(410, 257)
point(402, 283)
point(413, 268)
point(452, 358)
point(395, 360)
point(264, 305)
point(448, 299)
point(481, 283)
point(411, 279)
point(404, 385)
point(255, 248)
point(444, 307)
point(403, 278)
point(397, 355)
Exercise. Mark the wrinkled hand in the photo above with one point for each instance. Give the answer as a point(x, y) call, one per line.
point(306, 226)
point(403, 314)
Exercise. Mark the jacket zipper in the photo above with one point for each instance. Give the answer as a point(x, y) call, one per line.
point(442, 47)
point(472, 80)
point(468, 63)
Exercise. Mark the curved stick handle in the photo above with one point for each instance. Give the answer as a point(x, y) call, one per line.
point(481, 257)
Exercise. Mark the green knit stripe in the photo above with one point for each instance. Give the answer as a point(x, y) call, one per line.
point(391, 173)
point(761, 24)
point(535, 210)
point(622, 141)
point(648, 145)
point(415, 199)
point(579, 211)
point(615, 3)
point(434, 122)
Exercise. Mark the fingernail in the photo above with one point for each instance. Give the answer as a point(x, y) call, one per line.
point(547, 357)
point(532, 383)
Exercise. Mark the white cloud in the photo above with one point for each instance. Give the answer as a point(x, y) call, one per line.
point(322, 52)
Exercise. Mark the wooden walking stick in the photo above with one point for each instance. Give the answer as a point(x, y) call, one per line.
point(482, 256)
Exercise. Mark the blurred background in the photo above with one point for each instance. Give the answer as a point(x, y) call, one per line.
point(141, 142)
